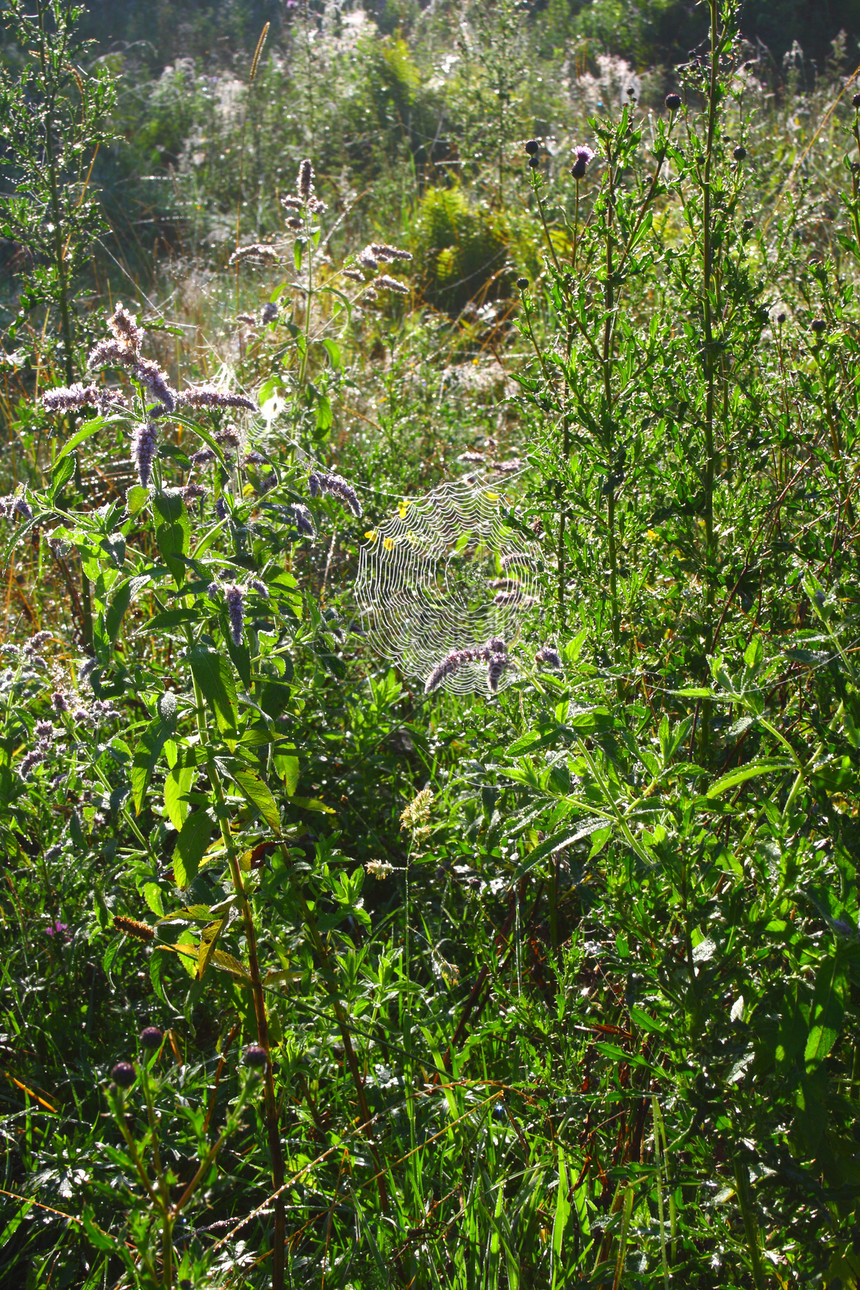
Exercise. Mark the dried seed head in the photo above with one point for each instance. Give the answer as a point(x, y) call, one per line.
point(131, 927)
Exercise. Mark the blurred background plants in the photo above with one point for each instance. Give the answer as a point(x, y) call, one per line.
point(309, 978)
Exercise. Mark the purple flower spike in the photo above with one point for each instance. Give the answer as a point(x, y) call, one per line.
point(582, 155)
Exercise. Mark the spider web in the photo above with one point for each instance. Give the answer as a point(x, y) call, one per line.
point(446, 572)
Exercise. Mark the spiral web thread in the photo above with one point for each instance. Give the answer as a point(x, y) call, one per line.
point(430, 578)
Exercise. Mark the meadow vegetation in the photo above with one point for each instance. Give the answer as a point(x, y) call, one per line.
point(315, 973)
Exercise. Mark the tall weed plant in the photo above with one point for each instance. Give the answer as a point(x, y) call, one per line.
point(311, 978)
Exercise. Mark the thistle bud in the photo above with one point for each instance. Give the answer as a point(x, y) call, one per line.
point(123, 1074)
point(673, 102)
point(255, 1056)
point(150, 1038)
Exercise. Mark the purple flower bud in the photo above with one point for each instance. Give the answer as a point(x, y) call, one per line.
point(673, 102)
point(269, 312)
point(255, 1056)
point(549, 656)
point(125, 329)
point(153, 379)
point(221, 509)
point(150, 1038)
point(123, 1074)
point(324, 482)
point(59, 702)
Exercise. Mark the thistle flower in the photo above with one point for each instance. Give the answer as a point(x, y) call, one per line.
point(153, 379)
point(235, 598)
point(583, 155)
point(143, 446)
point(392, 284)
point(324, 482)
point(382, 251)
point(109, 353)
point(207, 396)
point(303, 519)
point(65, 397)
point(549, 656)
point(254, 251)
point(125, 329)
point(305, 180)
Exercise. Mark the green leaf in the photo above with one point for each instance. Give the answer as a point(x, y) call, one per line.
point(177, 785)
point(64, 468)
point(214, 675)
point(146, 755)
point(313, 804)
point(118, 605)
point(257, 793)
point(287, 766)
point(88, 429)
point(172, 532)
point(136, 498)
point(752, 770)
point(564, 838)
point(190, 847)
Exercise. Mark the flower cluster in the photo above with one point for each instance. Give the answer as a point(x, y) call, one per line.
point(302, 519)
point(320, 481)
point(207, 396)
point(261, 251)
point(549, 656)
point(494, 653)
point(235, 598)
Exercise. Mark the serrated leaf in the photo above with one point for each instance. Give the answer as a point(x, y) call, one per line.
point(255, 791)
point(214, 675)
point(191, 847)
point(177, 785)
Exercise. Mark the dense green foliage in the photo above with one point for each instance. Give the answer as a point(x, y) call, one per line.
point(311, 977)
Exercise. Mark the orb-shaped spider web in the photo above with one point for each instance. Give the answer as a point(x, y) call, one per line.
point(447, 573)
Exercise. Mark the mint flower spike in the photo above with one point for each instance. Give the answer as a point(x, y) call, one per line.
point(207, 396)
point(235, 598)
point(320, 481)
